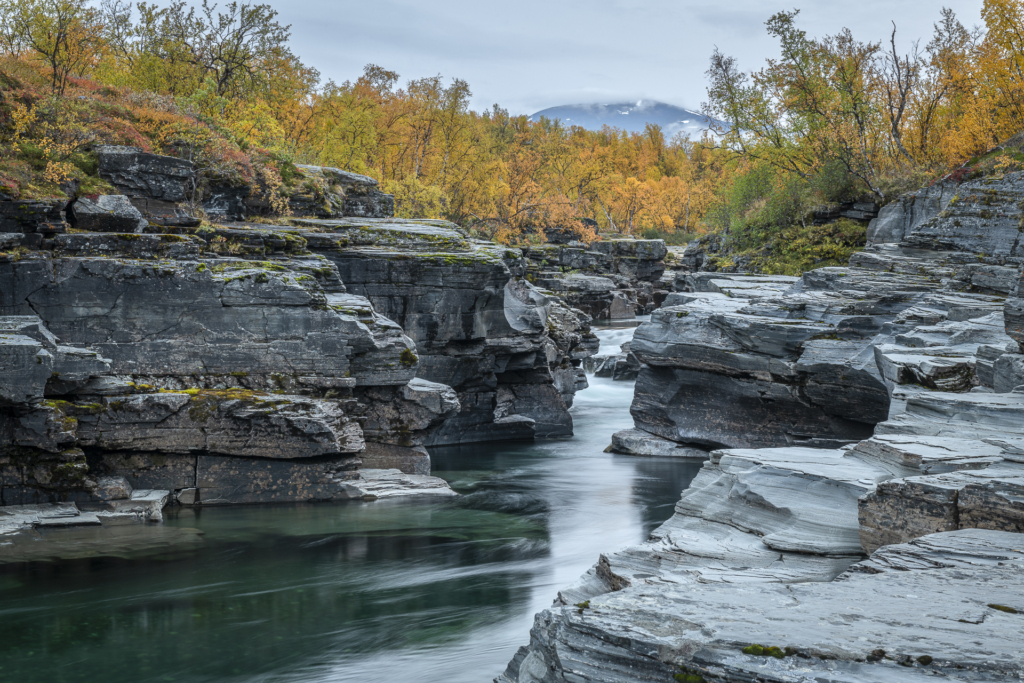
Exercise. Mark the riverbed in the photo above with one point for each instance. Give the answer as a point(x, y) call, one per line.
point(431, 591)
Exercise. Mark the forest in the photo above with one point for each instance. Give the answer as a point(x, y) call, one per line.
point(832, 119)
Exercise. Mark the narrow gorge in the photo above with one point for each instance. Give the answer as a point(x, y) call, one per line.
point(313, 373)
point(164, 380)
point(845, 442)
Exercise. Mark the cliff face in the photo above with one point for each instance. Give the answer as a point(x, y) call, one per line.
point(904, 372)
point(291, 360)
point(511, 352)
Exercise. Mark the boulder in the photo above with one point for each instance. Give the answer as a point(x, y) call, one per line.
point(638, 442)
point(155, 184)
point(106, 213)
point(327, 192)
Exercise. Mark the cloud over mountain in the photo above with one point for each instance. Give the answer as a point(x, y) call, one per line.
point(631, 116)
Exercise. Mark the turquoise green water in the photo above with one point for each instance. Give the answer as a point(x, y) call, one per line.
point(424, 591)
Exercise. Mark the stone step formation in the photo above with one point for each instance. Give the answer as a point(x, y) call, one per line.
point(303, 357)
point(860, 514)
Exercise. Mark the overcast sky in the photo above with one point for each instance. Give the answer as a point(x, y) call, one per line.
point(534, 54)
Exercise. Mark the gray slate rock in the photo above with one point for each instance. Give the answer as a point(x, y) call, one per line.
point(899, 218)
point(914, 628)
point(639, 442)
point(106, 213)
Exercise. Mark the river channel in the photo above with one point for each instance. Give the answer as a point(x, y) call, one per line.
point(433, 592)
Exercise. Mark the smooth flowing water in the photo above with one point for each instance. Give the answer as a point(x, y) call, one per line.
point(402, 590)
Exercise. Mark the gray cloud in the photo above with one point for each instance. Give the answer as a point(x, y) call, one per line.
point(535, 53)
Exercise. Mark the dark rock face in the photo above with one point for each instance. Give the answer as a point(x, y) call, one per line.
point(128, 244)
point(39, 217)
point(623, 366)
point(614, 278)
point(219, 480)
point(1013, 312)
point(497, 340)
point(155, 184)
point(227, 202)
point(857, 211)
point(106, 213)
point(598, 297)
point(140, 174)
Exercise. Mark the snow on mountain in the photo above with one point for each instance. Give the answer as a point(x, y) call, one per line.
point(631, 116)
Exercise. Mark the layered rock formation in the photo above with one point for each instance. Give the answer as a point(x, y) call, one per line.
point(238, 381)
point(616, 278)
point(511, 352)
point(307, 359)
point(939, 608)
point(911, 358)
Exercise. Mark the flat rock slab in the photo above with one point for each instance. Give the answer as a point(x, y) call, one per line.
point(935, 618)
point(347, 232)
point(906, 456)
point(378, 484)
point(83, 519)
point(639, 442)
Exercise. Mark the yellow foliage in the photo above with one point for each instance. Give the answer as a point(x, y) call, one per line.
point(223, 89)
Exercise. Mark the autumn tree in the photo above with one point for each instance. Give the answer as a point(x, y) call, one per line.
point(67, 35)
point(243, 49)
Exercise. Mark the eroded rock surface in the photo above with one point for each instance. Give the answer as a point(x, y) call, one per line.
point(911, 357)
point(936, 609)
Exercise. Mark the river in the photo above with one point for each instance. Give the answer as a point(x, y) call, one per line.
point(402, 590)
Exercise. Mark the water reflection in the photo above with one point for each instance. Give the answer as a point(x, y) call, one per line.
point(433, 591)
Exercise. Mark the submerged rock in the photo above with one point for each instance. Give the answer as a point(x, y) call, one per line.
point(377, 484)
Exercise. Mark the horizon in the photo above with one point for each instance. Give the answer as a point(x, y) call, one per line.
point(526, 65)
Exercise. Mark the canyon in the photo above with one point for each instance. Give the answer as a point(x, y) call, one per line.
point(853, 437)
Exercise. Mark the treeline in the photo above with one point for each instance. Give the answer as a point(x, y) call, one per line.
point(834, 119)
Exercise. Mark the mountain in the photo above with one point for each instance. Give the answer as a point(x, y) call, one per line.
point(631, 116)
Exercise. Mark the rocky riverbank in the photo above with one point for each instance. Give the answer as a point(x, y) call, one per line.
point(150, 358)
point(860, 515)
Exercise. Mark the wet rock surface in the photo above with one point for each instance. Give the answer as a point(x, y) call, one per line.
point(804, 631)
point(258, 362)
point(615, 278)
point(867, 410)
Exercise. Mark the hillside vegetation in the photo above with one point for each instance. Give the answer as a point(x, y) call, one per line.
point(834, 120)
